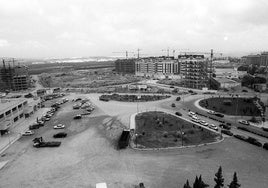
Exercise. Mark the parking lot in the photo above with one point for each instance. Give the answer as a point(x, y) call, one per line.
point(88, 155)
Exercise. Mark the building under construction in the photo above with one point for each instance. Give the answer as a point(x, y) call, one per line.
point(14, 78)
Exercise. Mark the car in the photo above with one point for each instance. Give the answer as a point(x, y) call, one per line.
point(194, 93)
point(190, 113)
point(173, 105)
point(171, 86)
point(212, 126)
point(178, 113)
point(244, 122)
point(78, 116)
point(219, 115)
point(195, 120)
point(59, 126)
point(28, 133)
point(60, 135)
point(224, 126)
point(211, 112)
point(227, 132)
point(254, 141)
point(178, 98)
point(48, 115)
point(34, 126)
point(202, 122)
point(40, 122)
point(244, 90)
point(265, 145)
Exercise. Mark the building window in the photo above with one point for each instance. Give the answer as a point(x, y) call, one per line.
point(8, 112)
point(25, 103)
point(21, 115)
point(16, 119)
point(1, 116)
point(20, 106)
point(14, 109)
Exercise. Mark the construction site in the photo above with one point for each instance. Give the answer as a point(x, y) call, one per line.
point(13, 77)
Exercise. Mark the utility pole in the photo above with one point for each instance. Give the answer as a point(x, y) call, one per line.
point(138, 53)
point(211, 60)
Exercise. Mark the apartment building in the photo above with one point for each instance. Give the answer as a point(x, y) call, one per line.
point(14, 78)
point(125, 66)
point(193, 69)
point(157, 67)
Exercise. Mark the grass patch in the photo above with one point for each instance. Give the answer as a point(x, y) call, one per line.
point(160, 130)
point(231, 106)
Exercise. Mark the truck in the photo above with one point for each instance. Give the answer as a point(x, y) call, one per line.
point(39, 142)
point(124, 139)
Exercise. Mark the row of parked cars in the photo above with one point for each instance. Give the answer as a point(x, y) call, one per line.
point(196, 119)
point(252, 140)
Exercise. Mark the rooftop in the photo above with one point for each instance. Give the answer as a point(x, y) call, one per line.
point(224, 80)
point(9, 103)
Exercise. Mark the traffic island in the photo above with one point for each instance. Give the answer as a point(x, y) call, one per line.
point(234, 106)
point(159, 130)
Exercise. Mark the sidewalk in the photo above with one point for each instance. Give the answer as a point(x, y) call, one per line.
point(16, 132)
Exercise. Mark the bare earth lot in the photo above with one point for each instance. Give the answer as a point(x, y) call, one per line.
point(88, 156)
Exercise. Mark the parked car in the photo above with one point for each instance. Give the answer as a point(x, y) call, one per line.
point(224, 126)
point(28, 133)
point(240, 137)
point(202, 122)
point(178, 98)
point(34, 126)
point(173, 105)
point(190, 113)
point(254, 141)
point(60, 135)
point(59, 126)
point(227, 132)
point(211, 112)
point(212, 126)
point(244, 90)
point(219, 115)
point(244, 122)
point(78, 116)
point(265, 145)
point(178, 113)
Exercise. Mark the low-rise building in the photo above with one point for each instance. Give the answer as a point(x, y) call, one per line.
point(11, 112)
point(229, 73)
point(220, 83)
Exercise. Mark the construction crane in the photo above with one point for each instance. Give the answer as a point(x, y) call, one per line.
point(211, 53)
point(166, 50)
point(125, 52)
point(138, 50)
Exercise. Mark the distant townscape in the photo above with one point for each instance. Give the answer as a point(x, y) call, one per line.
point(157, 121)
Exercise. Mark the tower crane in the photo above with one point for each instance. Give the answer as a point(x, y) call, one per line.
point(125, 52)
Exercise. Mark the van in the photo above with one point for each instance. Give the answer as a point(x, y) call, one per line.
point(101, 185)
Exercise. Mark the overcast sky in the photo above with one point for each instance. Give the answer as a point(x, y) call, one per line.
point(72, 28)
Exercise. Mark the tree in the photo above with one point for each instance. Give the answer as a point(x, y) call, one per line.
point(201, 183)
point(186, 185)
point(234, 183)
point(196, 183)
point(219, 179)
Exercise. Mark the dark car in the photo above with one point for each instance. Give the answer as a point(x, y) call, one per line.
point(225, 126)
point(244, 90)
point(219, 115)
point(173, 105)
point(240, 137)
point(34, 126)
point(227, 132)
point(60, 135)
point(79, 116)
point(178, 113)
point(265, 145)
point(254, 141)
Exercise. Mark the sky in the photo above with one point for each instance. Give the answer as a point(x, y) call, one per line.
point(82, 28)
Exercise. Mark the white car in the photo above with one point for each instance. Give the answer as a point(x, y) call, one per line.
point(28, 133)
point(212, 126)
point(202, 122)
point(244, 122)
point(59, 126)
point(211, 112)
point(191, 113)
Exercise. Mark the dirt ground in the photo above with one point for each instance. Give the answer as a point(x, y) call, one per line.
point(89, 156)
